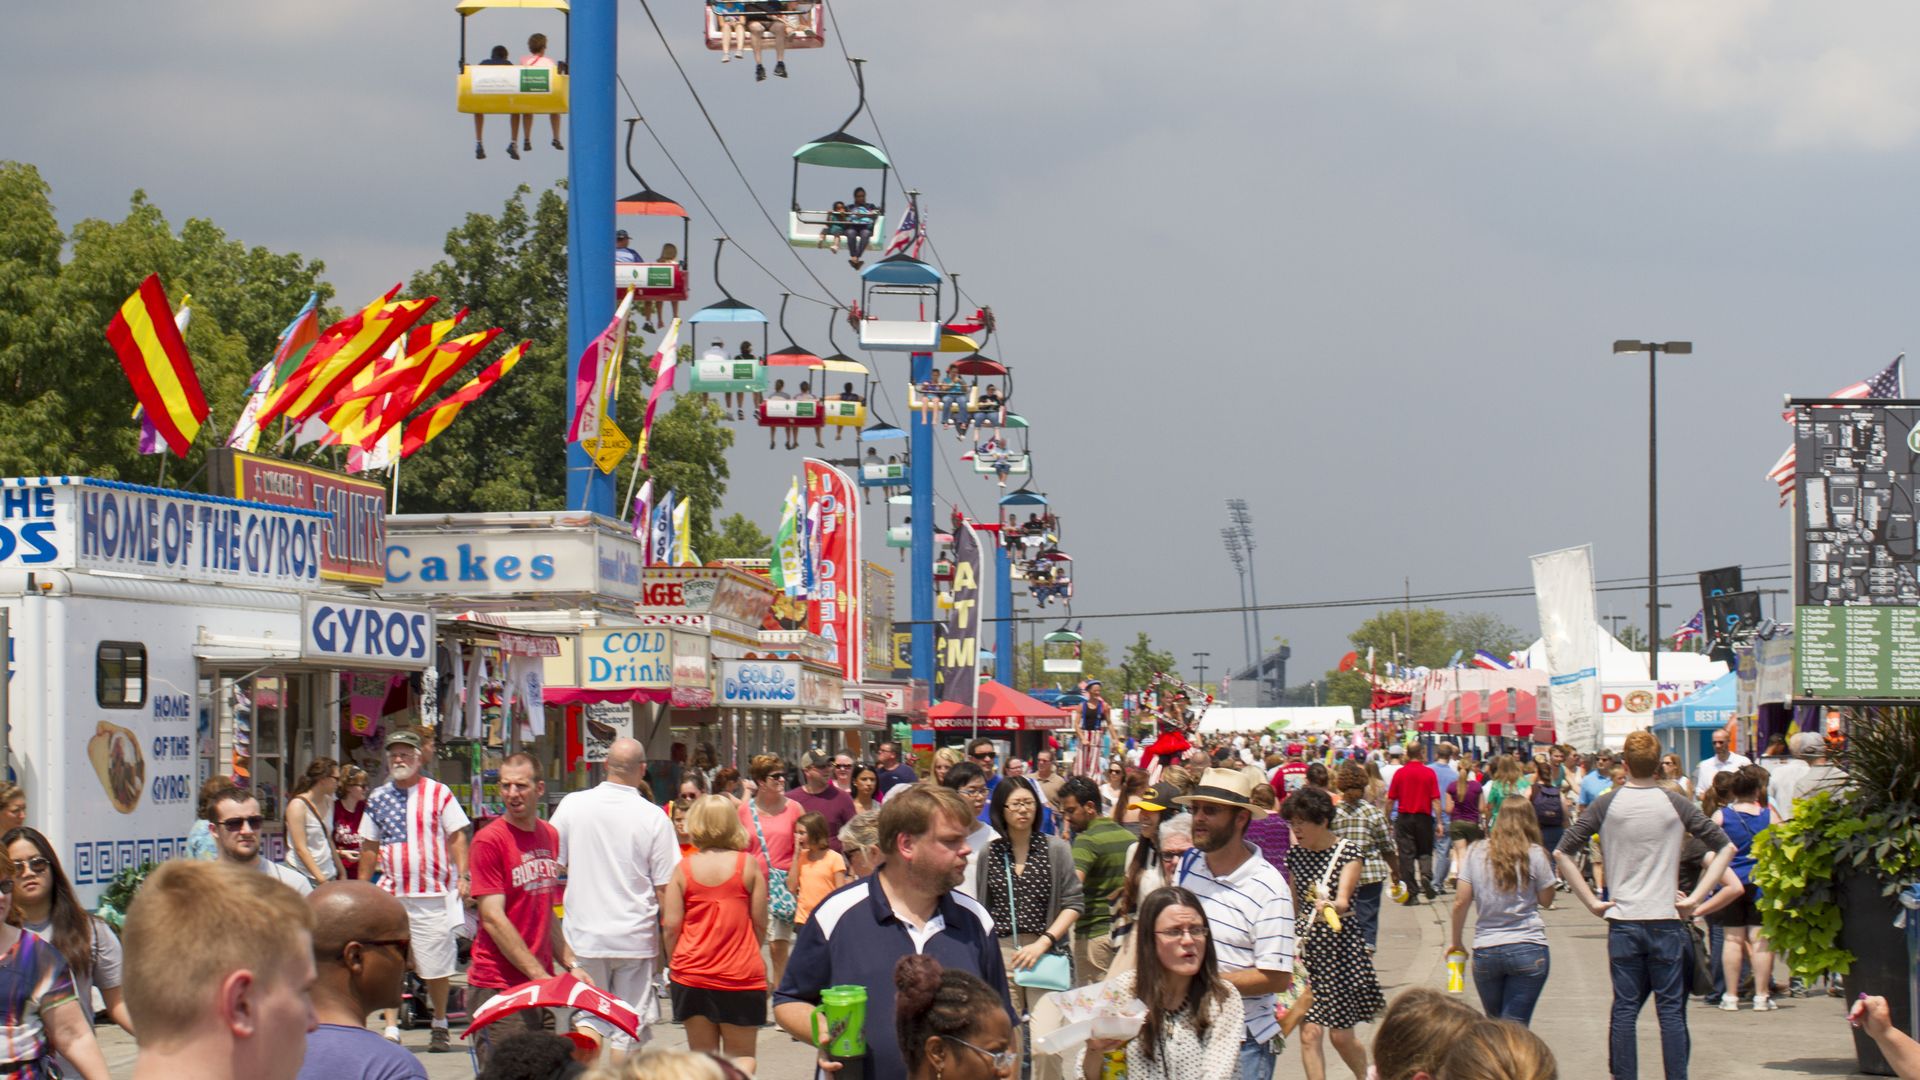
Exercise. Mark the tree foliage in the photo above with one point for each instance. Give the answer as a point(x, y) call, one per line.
point(1421, 637)
point(738, 538)
point(1141, 660)
point(1031, 675)
point(65, 404)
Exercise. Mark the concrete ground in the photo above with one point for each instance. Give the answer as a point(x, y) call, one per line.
point(1805, 1038)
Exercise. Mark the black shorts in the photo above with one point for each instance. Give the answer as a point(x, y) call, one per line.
point(740, 1008)
point(1741, 912)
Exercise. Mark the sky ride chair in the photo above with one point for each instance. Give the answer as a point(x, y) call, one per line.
point(734, 376)
point(804, 21)
point(510, 88)
point(665, 279)
point(806, 226)
point(1061, 653)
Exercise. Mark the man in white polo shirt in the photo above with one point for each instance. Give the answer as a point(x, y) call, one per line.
point(1248, 906)
point(1723, 760)
point(619, 851)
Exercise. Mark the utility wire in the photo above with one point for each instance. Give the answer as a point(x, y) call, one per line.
point(737, 170)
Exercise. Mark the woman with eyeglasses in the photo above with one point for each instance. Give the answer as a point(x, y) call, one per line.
point(348, 809)
point(47, 906)
point(971, 782)
point(1028, 883)
point(865, 785)
point(1195, 1019)
point(769, 818)
point(1112, 782)
point(692, 786)
point(310, 849)
point(950, 1024)
point(41, 1014)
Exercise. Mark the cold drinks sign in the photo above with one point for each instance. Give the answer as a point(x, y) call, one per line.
point(74, 523)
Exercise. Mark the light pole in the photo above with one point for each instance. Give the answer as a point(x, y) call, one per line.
point(1235, 553)
point(1200, 669)
point(1653, 349)
point(1242, 520)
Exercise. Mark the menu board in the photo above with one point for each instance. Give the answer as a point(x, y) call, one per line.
point(1856, 557)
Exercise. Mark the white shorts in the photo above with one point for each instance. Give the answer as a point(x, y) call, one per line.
point(428, 921)
point(779, 929)
point(631, 979)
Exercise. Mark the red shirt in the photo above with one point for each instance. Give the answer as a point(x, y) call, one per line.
point(524, 867)
point(1292, 776)
point(1414, 788)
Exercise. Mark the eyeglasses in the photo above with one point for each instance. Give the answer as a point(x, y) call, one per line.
point(1185, 933)
point(234, 824)
point(1002, 1061)
point(35, 865)
point(843, 768)
point(985, 757)
point(405, 946)
point(687, 795)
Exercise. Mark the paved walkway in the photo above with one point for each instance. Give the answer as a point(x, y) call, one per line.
point(1805, 1038)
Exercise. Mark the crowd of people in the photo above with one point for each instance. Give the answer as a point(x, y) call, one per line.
point(1233, 888)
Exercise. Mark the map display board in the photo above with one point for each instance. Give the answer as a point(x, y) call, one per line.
point(1856, 590)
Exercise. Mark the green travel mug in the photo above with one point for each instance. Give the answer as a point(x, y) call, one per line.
point(844, 1010)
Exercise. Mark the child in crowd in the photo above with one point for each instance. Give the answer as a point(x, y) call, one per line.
point(819, 868)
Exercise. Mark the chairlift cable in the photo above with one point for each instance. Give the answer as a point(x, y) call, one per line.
point(737, 170)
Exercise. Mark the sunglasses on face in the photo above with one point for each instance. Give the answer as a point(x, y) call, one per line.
point(989, 756)
point(405, 946)
point(234, 824)
point(35, 865)
point(843, 768)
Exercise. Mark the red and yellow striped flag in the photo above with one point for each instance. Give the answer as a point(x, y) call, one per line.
point(155, 358)
point(443, 363)
point(354, 353)
point(350, 414)
point(435, 420)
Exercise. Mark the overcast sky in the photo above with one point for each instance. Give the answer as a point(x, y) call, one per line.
point(1359, 264)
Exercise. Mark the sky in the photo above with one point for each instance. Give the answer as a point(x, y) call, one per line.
point(1358, 264)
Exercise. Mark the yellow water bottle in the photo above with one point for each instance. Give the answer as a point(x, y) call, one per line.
point(1114, 1067)
point(1456, 971)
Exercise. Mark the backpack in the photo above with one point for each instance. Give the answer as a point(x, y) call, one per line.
point(1551, 812)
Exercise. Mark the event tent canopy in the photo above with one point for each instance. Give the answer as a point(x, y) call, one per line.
point(1298, 721)
point(1711, 706)
point(999, 708)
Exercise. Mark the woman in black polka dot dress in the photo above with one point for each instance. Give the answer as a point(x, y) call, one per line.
point(1325, 872)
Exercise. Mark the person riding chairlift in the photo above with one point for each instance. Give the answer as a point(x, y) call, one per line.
point(778, 393)
point(536, 57)
point(793, 434)
point(767, 17)
point(739, 407)
point(846, 394)
point(497, 57)
point(732, 16)
point(651, 310)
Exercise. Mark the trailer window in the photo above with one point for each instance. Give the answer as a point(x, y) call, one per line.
point(120, 675)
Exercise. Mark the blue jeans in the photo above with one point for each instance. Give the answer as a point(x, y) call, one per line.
point(1443, 858)
point(1366, 910)
point(1257, 1060)
point(1716, 946)
point(1510, 978)
point(1649, 959)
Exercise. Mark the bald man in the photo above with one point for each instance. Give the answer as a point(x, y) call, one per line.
point(360, 944)
point(619, 851)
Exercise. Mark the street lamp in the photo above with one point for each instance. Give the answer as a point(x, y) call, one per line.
point(1653, 349)
point(1200, 668)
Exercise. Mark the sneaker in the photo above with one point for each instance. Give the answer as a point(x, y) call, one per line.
point(392, 1035)
point(526, 143)
point(479, 152)
point(557, 146)
point(440, 1043)
point(646, 328)
point(1764, 1004)
point(1729, 1003)
point(513, 151)
point(780, 68)
point(1431, 891)
point(759, 73)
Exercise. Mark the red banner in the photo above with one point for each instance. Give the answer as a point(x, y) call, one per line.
point(833, 609)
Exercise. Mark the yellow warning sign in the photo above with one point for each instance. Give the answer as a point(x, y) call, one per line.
point(611, 446)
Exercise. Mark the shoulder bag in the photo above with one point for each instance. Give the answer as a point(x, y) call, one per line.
point(1295, 1013)
point(781, 903)
point(292, 858)
point(1053, 971)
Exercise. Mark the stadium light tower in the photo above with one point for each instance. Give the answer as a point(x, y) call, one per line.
point(1242, 520)
point(1239, 558)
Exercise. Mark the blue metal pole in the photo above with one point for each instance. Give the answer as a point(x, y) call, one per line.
point(1004, 667)
point(920, 449)
point(590, 301)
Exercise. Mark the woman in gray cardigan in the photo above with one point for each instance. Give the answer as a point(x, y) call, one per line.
point(1026, 881)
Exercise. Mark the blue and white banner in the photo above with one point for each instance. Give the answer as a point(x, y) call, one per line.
point(1570, 630)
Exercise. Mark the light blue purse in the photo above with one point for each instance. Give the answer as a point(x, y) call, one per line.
point(1053, 971)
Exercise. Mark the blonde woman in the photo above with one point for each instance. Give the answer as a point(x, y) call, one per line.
point(1510, 876)
point(945, 758)
point(713, 921)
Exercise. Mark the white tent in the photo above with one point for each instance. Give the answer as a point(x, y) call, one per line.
point(1304, 720)
point(1619, 664)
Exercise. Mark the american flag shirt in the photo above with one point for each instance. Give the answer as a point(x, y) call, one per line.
point(411, 825)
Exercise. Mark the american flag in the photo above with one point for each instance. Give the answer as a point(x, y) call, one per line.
point(1484, 659)
point(1884, 385)
point(911, 234)
point(411, 826)
point(1694, 628)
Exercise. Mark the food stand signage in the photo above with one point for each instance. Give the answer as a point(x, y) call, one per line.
point(353, 534)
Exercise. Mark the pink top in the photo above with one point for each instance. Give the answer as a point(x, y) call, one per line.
point(778, 829)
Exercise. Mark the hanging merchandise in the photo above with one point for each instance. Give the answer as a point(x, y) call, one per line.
point(528, 675)
point(242, 708)
point(476, 686)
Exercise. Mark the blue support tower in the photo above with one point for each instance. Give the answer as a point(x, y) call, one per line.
point(920, 556)
point(1005, 669)
point(590, 197)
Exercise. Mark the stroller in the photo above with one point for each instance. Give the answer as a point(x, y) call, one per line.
point(416, 1008)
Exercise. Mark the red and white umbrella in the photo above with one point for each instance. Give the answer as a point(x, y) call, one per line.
point(559, 992)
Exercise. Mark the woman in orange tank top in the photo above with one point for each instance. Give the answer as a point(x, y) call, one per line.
point(713, 922)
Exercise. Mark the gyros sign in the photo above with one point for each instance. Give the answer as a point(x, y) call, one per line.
point(362, 634)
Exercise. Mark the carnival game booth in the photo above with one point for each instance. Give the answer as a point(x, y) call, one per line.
point(160, 637)
point(1686, 726)
point(1021, 724)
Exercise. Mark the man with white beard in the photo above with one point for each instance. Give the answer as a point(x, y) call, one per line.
point(414, 827)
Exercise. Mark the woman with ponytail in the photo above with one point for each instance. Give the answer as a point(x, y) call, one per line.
point(950, 1024)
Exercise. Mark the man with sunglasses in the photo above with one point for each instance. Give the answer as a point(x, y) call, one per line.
point(818, 793)
point(983, 753)
point(236, 833)
point(360, 950)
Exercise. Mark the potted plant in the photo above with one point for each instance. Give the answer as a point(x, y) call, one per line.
point(1828, 877)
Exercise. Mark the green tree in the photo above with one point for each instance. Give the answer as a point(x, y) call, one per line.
point(1139, 663)
point(1031, 673)
point(1421, 637)
point(738, 538)
point(65, 403)
point(1634, 638)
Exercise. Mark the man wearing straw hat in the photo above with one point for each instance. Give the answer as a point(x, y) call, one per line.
point(1248, 906)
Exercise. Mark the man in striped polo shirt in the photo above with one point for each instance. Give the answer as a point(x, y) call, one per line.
point(414, 826)
point(1248, 906)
